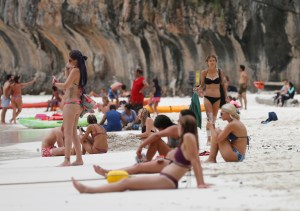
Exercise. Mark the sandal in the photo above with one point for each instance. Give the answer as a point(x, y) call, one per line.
point(204, 153)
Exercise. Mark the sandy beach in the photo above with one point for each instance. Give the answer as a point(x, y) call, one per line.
point(268, 179)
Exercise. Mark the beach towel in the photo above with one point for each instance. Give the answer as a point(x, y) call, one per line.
point(196, 108)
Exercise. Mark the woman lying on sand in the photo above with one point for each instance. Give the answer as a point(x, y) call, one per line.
point(232, 141)
point(153, 166)
point(186, 156)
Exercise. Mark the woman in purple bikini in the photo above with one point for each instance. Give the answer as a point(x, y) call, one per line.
point(76, 74)
point(186, 157)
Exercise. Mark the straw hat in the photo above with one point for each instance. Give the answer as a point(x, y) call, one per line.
point(231, 109)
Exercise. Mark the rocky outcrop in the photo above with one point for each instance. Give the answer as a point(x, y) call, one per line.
point(168, 39)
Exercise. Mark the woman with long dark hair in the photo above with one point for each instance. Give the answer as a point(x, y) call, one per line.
point(76, 75)
point(186, 157)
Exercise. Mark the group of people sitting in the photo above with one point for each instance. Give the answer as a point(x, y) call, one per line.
point(178, 154)
point(286, 92)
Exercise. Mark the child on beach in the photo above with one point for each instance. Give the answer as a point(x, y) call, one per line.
point(232, 141)
point(186, 156)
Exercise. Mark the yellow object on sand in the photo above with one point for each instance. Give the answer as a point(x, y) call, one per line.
point(116, 175)
point(170, 109)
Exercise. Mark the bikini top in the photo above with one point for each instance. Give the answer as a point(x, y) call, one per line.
point(97, 133)
point(212, 81)
point(144, 129)
point(231, 137)
point(180, 159)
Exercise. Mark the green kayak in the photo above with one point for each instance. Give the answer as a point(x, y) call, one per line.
point(32, 122)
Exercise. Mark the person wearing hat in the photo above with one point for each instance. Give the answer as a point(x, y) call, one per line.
point(232, 141)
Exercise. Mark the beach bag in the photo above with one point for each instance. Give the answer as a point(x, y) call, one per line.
point(223, 100)
point(87, 104)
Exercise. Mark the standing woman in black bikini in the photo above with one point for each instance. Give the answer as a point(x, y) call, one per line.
point(211, 80)
point(185, 157)
point(76, 74)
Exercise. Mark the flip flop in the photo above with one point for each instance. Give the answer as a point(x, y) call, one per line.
point(204, 153)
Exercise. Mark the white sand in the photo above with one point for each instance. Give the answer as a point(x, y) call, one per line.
point(267, 180)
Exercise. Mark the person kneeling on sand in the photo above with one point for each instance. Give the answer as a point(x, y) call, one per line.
point(186, 157)
point(48, 144)
point(232, 141)
point(97, 142)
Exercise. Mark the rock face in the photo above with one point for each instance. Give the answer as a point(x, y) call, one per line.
point(168, 39)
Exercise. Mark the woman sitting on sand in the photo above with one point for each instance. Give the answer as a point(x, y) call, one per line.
point(166, 128)
point(186, 156)
point(146, 123)
point(232, 141)
point(97, 142)
point(129, 115)
point(104, 107)
point(153, 166)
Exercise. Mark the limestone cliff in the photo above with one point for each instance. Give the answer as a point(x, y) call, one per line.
point(168, 38)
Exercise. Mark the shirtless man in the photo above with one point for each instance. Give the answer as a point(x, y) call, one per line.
point(48, 144)
point(243, 83)
point(5, 99)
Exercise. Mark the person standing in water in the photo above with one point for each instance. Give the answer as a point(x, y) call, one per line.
point(76, 74)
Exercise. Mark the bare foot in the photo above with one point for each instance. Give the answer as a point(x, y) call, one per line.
point(100, 170)
point(77, 162)
point(80, 187)
point(210, 161)
point(65, 163)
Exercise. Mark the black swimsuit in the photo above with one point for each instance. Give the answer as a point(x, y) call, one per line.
point(217, 80)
